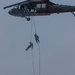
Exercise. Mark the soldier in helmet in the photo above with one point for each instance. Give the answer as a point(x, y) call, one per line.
point(36, 38)
point(30, 46)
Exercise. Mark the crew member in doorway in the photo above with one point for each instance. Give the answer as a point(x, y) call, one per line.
point(30, 46)
point(36, 38)
point(29, 7)
point(22, 7)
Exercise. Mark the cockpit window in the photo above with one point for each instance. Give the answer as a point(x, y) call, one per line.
point(17, 7)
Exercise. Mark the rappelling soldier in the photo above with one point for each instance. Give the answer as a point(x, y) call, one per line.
point(36, 38)
point(30, 46)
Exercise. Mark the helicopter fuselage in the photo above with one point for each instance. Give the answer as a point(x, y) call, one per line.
point(40, 9)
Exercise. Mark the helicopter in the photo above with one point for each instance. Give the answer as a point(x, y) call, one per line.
point(38, 8)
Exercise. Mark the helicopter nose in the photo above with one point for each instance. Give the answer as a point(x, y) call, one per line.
point(10, 12)
point(14, 12)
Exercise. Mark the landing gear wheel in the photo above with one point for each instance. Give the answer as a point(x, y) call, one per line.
point(28, 19)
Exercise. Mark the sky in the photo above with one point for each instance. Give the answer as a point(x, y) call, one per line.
point(57, 43)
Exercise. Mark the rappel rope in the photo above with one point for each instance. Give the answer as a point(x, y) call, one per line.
point(31, 32)
point(34, 25)
point(32, 49)
point(38, 48)
point(39, 60)
point(33, 63)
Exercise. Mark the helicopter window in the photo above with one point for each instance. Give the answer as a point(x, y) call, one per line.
point(17, 6)
point(22, 7)
point(41, 5)
point(38, 5)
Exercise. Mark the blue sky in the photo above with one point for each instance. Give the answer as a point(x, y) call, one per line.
point(57, 42)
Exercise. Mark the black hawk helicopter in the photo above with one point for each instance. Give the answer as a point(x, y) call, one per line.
point(38, 8)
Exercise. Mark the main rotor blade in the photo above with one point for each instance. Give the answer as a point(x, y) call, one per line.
point(20, 3)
